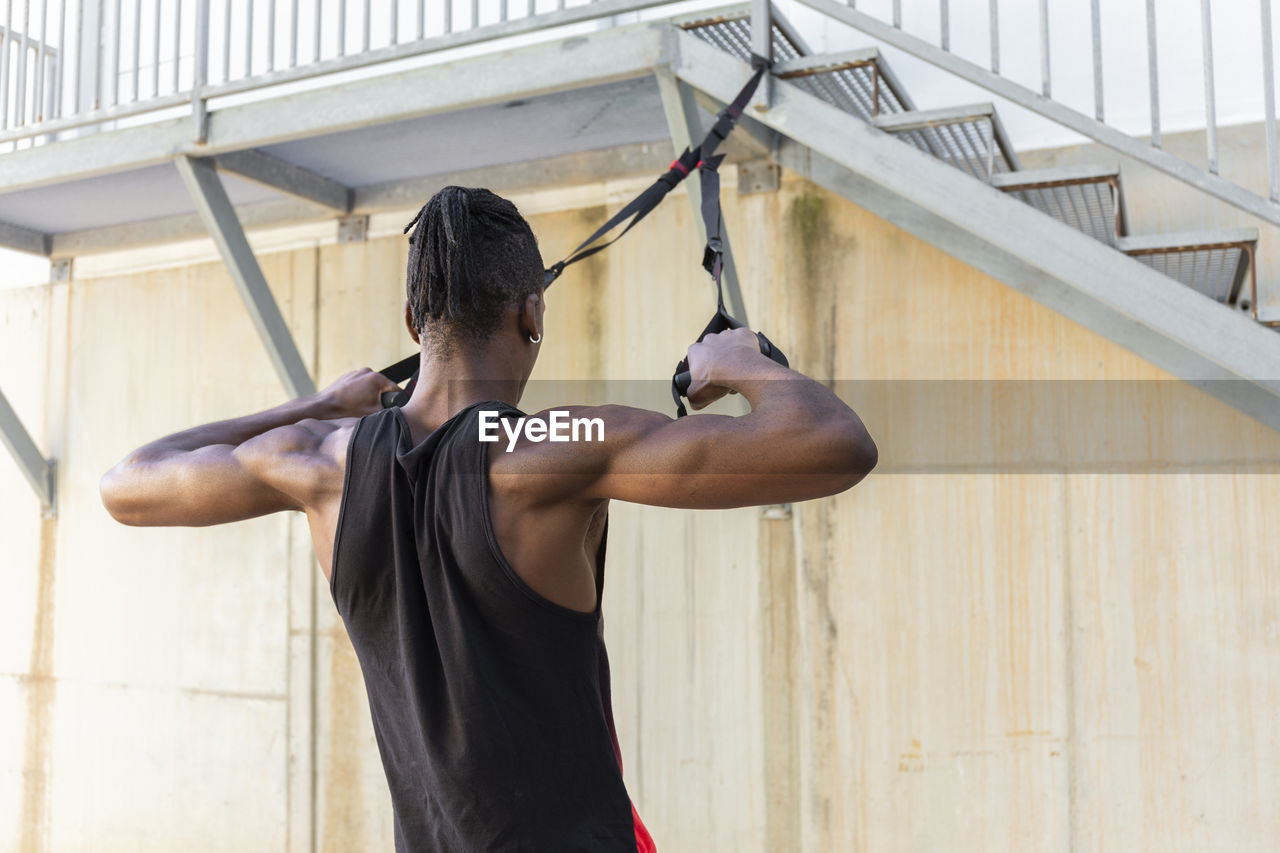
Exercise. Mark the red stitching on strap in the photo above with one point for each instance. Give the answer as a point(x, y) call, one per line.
point(676, 164)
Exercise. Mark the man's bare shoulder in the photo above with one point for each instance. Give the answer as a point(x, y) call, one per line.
point(557, 453)
point(565, 439)
point(305, 459)
point(329, 439)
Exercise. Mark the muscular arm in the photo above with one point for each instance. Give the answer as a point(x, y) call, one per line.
point(799, 442)
point(280, 459)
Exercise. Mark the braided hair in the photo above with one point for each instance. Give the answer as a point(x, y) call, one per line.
point(471, 254)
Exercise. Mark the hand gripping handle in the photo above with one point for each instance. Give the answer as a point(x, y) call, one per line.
point(406, 368)
point(682, 379)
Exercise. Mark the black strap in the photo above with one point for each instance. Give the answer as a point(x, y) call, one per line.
point(405, 368)
point(713, 263)
point(690, 159)
point(637, 209)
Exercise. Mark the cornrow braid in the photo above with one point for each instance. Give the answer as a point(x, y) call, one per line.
point(471, 255)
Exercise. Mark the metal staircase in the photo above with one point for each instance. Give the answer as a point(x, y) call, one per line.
point(1215, 263)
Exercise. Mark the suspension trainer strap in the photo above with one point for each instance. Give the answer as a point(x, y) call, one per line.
point(405, 368)
point(679, 169)
point(713, 263)
point(637, 209)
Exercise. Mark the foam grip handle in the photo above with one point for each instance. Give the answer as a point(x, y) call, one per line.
point(389, 398)
point(683, 380)
point(775, 354)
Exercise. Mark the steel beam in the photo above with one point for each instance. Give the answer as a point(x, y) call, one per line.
point(1188, 240)
point(202, 181)
point(288, 178)
point(24, 239)
point(1162, 321)
point(608, 56)
point(38, 470)
point(685, 124)
point(585, 167)
point(920, 119)
point(169, 229)
point(1063, 115)
point(1056, 175)
point(816, 63)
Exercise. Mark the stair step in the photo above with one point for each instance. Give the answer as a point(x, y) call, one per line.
point(1215, 263)
point(729, 28)
point(969, 137)
point(856, 81)
point(1088, 198)
point(972, 138)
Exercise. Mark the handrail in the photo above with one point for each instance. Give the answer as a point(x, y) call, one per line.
point(1207, 180)
point(85, 62)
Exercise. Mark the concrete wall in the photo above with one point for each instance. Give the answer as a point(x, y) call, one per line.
point(958, 660)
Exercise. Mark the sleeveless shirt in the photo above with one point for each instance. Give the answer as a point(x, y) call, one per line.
point(490, 702)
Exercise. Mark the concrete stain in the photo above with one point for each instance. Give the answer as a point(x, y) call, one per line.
point(588, 291)
point(815, 246)
point(41, 689)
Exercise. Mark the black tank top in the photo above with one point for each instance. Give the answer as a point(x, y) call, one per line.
point(490, 702)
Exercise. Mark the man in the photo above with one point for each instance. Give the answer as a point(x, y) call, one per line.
point(469, 573)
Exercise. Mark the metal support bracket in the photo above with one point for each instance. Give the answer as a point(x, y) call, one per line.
point(776, 512)
point(38, 470)
point(758, 176)
point(288, 178)
point(353, 229)
point(214, 207)
point(686, 130)
point(24, 239)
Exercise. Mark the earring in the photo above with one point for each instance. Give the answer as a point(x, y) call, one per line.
point(534, 340)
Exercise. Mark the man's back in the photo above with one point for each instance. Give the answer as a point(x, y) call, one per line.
point(487, 698)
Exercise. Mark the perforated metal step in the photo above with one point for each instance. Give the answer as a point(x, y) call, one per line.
point(1088, 198)
point(971, 137)
point(1216, 263)
point(856, 81)
point(730, 30)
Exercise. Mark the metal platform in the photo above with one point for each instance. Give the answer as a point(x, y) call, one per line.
point(364, 145)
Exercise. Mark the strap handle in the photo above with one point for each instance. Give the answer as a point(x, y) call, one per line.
point(682, 378)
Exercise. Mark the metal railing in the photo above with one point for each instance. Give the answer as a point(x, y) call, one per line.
point(30, 69)
point(74, 63)
point(890, 30)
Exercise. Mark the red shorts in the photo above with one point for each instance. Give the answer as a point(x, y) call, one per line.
point(644, 841)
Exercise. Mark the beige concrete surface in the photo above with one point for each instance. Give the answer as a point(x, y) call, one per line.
point(962, 660)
